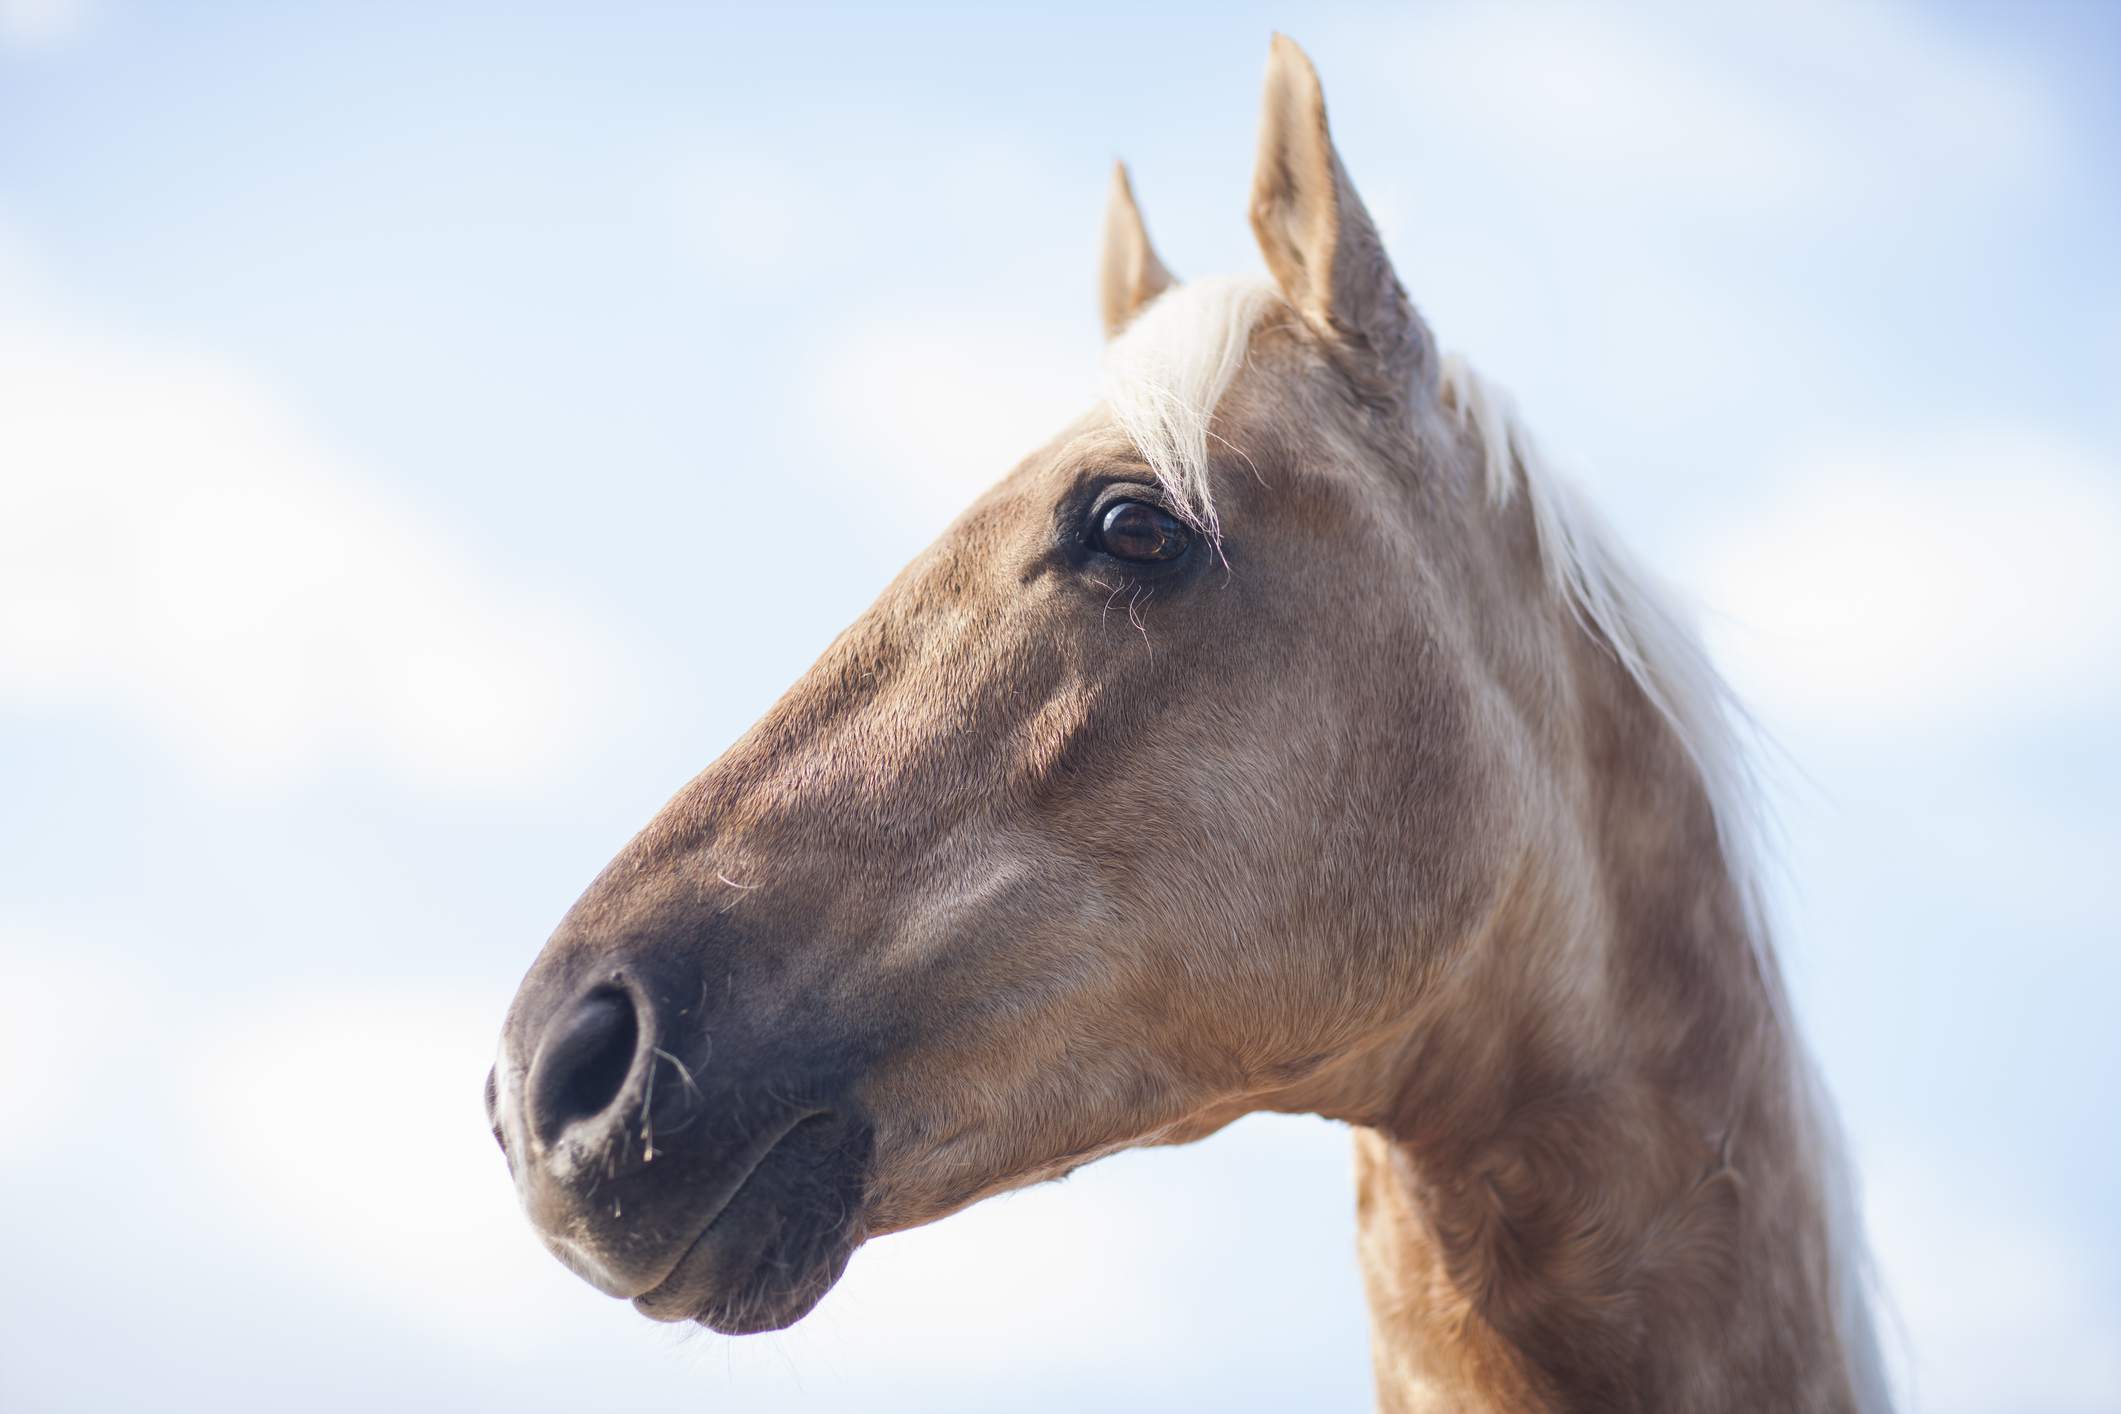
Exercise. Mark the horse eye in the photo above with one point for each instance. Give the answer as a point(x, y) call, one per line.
point(1136, 530)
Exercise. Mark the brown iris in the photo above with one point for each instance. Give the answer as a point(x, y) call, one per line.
point(1136, 530)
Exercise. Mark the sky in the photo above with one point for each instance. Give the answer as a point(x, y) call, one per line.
point(391, 400)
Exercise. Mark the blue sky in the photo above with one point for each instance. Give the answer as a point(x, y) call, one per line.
point(388, 399)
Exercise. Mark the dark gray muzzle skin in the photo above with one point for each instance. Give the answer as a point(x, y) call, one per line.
point(677, 1138)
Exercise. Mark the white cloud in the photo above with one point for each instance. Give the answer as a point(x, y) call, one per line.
point(349, 1128)
point(36, 24)
point(180, 547)
point(936, 406)
point(747, 204)
point(1702, 105)
point(2000, 1310)
point(51, 1070)
point(1974, 581)
point(741, 212)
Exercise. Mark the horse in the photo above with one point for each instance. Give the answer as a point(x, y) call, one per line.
point(1282, 735)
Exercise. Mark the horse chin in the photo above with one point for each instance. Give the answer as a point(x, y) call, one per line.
point(729, 1283)
point(773, 1252)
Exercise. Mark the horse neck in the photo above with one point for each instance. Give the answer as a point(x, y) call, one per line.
point(1591, 1176)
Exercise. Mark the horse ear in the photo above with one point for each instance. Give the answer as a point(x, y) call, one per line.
point(1129, 274)
point(1319, 241)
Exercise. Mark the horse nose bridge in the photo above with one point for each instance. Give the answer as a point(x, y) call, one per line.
point(863, 757)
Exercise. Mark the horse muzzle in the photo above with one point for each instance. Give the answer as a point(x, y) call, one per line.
point(667, 1158)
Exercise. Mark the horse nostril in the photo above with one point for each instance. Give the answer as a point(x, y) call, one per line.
point(582, 1066)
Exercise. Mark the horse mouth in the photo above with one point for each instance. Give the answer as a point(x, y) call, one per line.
point(780, 1242)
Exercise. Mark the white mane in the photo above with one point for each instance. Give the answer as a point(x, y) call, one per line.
point(1636, 618)
point(1633, 615)
point(1163, 378)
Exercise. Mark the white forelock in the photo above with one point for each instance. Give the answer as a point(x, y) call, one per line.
point(1165, 374)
